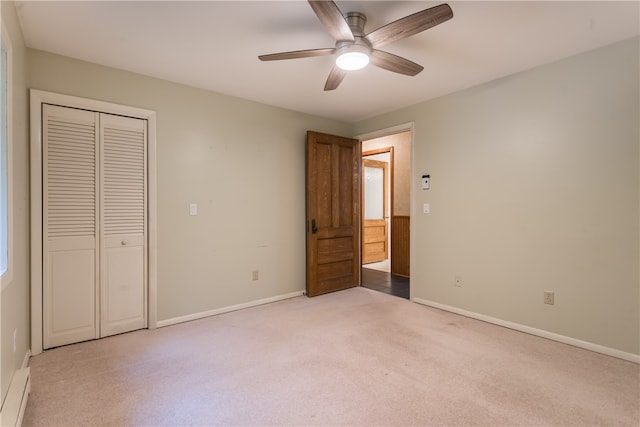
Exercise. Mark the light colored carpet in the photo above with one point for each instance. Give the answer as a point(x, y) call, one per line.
point(356, 357)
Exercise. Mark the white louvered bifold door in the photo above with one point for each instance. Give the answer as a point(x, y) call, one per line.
point(124, 225)
point(70, 223)
point(94, 225)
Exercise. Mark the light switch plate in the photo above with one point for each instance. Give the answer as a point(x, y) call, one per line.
point(193, 209)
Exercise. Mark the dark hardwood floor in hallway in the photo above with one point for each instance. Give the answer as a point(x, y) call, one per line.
point(385, 282)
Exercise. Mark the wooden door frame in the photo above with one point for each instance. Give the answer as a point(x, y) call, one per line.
point(404, 127)
point(37, 98)
point(382, 150)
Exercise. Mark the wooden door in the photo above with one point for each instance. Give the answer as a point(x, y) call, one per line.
point(375, 240)
point(333, 165)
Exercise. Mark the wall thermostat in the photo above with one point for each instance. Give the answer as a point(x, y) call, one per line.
point(425, 182)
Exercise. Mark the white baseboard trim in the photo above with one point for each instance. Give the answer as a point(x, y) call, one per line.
point(27, 357)
point(16, 401)
point(201, 315)
point(534, 331)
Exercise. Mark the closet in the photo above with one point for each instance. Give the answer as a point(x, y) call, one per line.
point(94, 224)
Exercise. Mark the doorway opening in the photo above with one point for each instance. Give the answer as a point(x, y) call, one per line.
point(386, 201)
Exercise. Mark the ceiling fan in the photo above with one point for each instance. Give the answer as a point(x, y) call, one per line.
point(355, 50)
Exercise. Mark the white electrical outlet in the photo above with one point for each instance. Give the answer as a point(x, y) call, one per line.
point(549, 297)
point(254, 275)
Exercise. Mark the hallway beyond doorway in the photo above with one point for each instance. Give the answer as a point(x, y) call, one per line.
point(385, 282)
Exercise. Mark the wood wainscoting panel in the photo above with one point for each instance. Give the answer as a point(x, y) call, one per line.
point(400, 247)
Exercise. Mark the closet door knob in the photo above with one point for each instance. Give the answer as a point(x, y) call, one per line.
point(124, 242)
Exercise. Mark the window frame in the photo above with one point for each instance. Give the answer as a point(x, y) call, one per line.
point(7, 277)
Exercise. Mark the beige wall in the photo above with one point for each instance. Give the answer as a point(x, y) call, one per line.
point(15, 295)
point(535, 187)
point(401, 143)
point(241, 162)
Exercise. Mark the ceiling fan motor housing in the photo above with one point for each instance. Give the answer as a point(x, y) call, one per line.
point(356, 21)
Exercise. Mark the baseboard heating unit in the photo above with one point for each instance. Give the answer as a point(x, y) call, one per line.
point(16, 400)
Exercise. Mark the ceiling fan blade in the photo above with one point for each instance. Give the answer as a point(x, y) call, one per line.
point(409, 25)
point(335, 78)
point(296, 54)
point(332, 19)
point(395, 63)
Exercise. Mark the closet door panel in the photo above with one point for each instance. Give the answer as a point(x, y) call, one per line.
point(71, 312)
point(124, 224)
point(123, 299)
point(70, 220)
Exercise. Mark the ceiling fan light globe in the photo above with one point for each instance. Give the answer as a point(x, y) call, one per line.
point(351, 61)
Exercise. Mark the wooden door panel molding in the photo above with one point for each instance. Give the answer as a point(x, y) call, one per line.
point(328, 285)
point(335, 269)
point(333, 166)
point(377, 230)
point(328, 232)
point(331, 257)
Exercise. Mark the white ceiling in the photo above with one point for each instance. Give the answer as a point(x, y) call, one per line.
point(214, 45)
